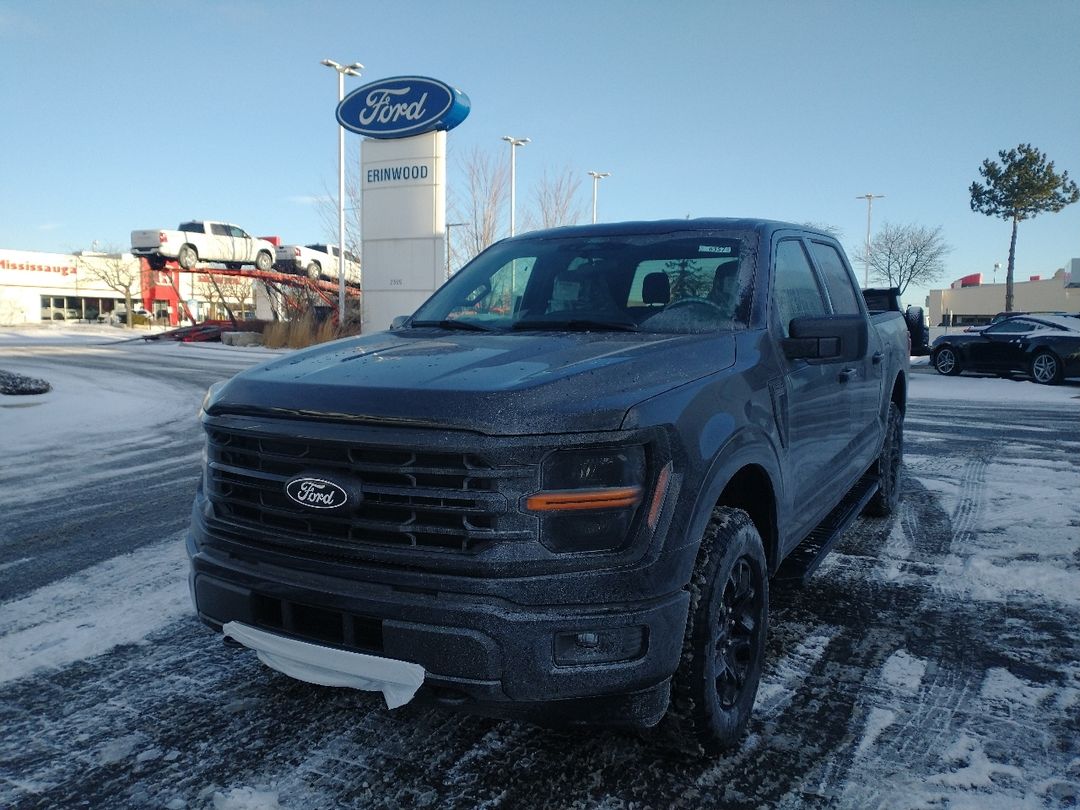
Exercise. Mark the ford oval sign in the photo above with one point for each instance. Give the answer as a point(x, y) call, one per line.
point(402, 106)
point(316, 493)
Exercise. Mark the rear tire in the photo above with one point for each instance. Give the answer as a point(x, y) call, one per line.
point(187, 257)
point(888, 466)
point(313, 271)
point(713, 691)
point(1046, 368)
point(946, 362)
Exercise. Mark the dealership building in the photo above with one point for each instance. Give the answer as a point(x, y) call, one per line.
point(38, 287)
point(969, 301)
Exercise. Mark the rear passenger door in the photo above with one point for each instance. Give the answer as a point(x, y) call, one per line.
point(862, 377)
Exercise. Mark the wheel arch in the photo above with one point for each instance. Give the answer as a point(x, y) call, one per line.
point(745, 475)
point(751, 490)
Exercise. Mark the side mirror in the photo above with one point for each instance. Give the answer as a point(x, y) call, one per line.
point(836, 338)
point(399, 321)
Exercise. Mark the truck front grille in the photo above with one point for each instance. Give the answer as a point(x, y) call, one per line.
point(456, 501)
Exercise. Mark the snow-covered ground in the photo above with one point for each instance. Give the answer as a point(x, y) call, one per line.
point(932, 662)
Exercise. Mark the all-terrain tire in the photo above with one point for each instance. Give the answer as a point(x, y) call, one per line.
point(888, 466)
point(713, 691)
point(263, 261)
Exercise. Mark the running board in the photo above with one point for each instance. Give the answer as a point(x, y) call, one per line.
point(804, 559)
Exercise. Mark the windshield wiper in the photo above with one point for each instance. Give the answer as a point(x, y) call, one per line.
point(578, 324)
point(467, 326)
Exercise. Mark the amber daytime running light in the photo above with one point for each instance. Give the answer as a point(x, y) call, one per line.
point(590, 497)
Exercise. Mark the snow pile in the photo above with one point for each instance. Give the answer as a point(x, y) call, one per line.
point(17, 384)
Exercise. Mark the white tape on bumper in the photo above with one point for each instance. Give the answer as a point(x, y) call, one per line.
point(326, 666)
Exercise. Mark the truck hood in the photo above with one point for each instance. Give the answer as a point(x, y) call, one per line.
point(497, 384)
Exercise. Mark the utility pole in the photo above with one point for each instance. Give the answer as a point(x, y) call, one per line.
point(596, 178)
point(342, 71)
point(869, 208)
point(514, 144)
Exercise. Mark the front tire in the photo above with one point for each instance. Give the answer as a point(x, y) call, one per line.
point(888, 466)
point(714, 688)
point(186, 257)
point(263, 262)
point(1046, 368)
point(946, 362)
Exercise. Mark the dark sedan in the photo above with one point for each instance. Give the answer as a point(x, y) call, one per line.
point(1045, 347)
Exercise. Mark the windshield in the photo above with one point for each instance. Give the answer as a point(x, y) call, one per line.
point(670, 283)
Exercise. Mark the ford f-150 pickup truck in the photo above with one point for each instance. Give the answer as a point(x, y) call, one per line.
point(558, 490)
point(194, 242)
point(315, 261)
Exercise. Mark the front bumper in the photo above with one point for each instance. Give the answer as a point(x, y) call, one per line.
point(594, 663)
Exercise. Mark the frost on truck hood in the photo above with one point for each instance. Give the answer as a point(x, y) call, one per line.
point(495, 384)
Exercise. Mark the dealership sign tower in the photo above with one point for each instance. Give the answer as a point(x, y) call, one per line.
point(403, 179)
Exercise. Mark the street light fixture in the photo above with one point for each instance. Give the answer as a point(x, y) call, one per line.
point(869, 207)
point(450, 225)
point(596, 178)
point(514, 144)
point(342, 71)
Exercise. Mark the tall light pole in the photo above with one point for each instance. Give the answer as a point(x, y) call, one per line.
point(596, 178)
point(342, 71)
point(869, 207)
point(514, 144)
point(450, 225)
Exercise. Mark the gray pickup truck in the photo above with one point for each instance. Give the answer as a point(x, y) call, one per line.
point(559, 490)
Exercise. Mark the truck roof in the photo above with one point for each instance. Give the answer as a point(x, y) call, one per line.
point(671, 226)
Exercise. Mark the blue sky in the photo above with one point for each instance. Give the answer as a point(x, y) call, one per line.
point(121, 114)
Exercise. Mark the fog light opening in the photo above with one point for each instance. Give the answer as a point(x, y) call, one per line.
point(609, 646)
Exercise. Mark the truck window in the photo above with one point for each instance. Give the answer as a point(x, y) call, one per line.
point(837, 279)
point(795, 287)
point(642, 282)
point(500, 296)
point(238, 233)
point(192, 227)
point(218, 229)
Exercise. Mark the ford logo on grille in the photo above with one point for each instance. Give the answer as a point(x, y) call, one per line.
point(317, 493)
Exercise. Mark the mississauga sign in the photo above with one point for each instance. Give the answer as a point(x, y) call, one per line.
point(402, 106)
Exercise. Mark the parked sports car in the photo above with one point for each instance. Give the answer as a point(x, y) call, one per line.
point(1045, 347)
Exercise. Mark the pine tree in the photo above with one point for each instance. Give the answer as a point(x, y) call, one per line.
point(1022, 186)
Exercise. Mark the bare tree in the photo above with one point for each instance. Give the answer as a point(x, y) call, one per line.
point(120, 272)
point(327, 206)
point(556, 201)
point(482, 204)
point(230, 292)
point(831, 230)
point(901, 255)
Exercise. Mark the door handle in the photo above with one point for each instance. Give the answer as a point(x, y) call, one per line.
point(877, 358)
point(847, 373)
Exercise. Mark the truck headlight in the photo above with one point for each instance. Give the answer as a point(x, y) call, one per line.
point(589, 497)
point(212, 394)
